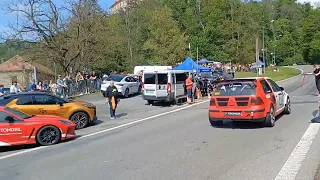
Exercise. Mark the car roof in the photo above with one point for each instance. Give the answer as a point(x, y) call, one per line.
point(26, 93)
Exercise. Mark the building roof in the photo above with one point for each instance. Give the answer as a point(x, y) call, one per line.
point(18, 63)
point(115, 3)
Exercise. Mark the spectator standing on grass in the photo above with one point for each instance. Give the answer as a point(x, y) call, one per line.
point(53, 87)
point(112, 98)
point(93, 79)
point(80, 82)
point(2, 92)
point(40, 86)
point(189, 87)
point(86, 77)
point(15, 88)
point(60, 86)
point(32, 86)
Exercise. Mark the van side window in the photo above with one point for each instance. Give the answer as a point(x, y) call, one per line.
point(162, 78)
point(181, 78)
point(149, 78)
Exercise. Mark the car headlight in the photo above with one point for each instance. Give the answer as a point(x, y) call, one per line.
point(64, 122)
point(89, 106)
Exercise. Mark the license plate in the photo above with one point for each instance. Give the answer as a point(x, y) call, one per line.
point(232, 113)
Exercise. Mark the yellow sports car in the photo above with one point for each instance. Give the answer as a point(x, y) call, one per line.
point(40, 103)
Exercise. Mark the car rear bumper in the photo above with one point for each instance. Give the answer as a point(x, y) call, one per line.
point(167, 98)
point(257, 115)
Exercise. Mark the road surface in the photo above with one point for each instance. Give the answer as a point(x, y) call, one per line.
point(182, 145)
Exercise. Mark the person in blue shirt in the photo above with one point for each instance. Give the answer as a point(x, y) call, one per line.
point(32, 86)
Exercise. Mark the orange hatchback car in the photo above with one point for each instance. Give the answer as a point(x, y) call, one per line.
point(248, 99)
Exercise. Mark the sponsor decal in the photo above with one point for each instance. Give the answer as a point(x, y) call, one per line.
point(8, 130)
point(216, 93)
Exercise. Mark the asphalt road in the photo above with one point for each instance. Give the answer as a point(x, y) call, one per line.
point(180, 145)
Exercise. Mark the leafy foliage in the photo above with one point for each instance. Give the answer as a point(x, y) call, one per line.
point(158, 32)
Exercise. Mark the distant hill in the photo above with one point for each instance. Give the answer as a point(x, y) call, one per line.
point(10, 48)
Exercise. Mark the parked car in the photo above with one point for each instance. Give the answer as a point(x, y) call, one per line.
point(250, 99)
point(18, 128)
point(125, 84)
point(42, 103)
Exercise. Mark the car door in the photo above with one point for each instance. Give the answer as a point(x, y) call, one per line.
point(47, 105)
point(24, 104)
point(135, 84)
point(129, 84)
point(268, 92)
point(278, 94)
point(11, 133)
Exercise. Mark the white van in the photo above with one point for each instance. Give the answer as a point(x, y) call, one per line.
point(165, 86)
point(140, 69)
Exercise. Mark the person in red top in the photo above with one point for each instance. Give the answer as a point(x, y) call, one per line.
point(189, 86)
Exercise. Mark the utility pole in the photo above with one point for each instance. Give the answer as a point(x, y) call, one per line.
point(257, 55)
point(264, 61)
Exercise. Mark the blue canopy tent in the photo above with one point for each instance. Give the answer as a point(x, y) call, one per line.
point(260, 64)
point(189, 64)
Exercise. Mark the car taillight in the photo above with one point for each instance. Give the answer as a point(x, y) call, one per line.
point(169, 88)
point(256, 101)
point(212, 102)
point(142, 89)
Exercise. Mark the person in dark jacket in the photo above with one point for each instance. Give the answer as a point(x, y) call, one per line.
point(112, 97)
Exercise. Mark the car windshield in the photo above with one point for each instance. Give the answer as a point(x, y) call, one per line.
point(115, 78)
point(18, 113)
point(235, 89)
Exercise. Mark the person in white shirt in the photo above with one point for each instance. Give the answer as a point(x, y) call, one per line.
point(15, 88)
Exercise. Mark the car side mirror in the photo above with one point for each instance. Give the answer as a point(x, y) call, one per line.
point(10, 119)
point(281, 88)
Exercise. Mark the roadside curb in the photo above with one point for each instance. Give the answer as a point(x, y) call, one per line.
point(292, 76)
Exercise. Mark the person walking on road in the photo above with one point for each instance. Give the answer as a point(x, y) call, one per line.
point(317, 77)
point(189, 86)
point(112, 97)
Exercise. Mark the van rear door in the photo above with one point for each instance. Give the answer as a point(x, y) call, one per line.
point(149, 81)
point(162, 84)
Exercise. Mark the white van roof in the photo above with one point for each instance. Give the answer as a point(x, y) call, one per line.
point(139, 69)
point(167, 71)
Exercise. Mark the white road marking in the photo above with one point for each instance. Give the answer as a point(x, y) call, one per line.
point(292, 166)
point(109, 129)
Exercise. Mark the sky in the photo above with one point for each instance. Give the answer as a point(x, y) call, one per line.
point(7, 18)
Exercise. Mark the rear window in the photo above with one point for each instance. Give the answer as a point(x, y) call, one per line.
point(115, 78)
point(162, 78)
point(149, 78)
point(235, 89)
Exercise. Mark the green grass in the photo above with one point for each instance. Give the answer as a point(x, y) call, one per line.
point(284, 73)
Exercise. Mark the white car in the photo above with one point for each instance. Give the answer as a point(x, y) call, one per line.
point(125, 84)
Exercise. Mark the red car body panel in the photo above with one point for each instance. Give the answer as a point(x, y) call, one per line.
point(24, 131)
point(244, 107)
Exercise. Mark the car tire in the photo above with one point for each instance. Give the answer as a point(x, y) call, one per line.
point(287, 108)
point(215, 122)
point(270, 119)
point(48, 135)
point(150, 102)
point(126, 93)
point(81, 119)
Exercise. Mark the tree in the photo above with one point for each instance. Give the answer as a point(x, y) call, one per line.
point(166, 45)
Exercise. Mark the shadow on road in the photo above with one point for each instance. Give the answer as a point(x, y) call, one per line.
point(97, 122)
point(242, 124)
point(17, 148)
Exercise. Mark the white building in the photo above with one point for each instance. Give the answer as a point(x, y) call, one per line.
point(118, 5)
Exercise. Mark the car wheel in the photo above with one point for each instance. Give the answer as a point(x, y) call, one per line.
point(287, 108)
point(81, 119)
point(48, 135)
point(215, 122)
point(270, 118)
point(126, 93)
point(150, 102)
